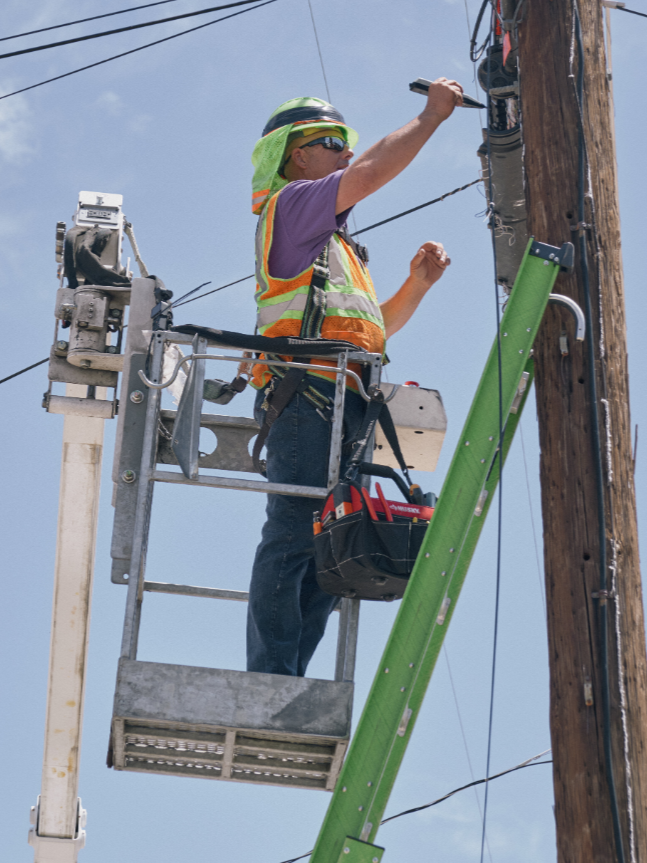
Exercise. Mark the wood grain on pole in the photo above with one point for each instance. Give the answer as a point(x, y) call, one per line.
point(571, 545)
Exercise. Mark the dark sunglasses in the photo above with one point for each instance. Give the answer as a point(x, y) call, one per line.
point(328, 142)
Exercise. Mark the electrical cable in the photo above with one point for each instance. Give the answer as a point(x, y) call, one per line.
point(631, 11)
point(419, 207)
point(179, 300)
point(361, 231)
point(84, 20)
point(125, 29)
point(475, 57)
point(500, 448)
point(595, 430)
point(135, 50)
point(22, 371)
point(314, 27)
point(215, 290)
point(532, 522)
point(251, 275)
point(614, 565)
point(530, 762)
point(474, 71)
point(467, 751)
point(323, 72)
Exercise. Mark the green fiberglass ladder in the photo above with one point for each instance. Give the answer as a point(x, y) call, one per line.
point(383, 732)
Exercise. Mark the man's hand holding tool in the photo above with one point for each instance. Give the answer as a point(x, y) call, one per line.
point(442, 97)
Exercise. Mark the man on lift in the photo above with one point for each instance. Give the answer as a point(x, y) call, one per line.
point(304, 188)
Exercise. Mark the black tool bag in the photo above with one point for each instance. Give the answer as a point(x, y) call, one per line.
point(360, 558)
point(358, 553)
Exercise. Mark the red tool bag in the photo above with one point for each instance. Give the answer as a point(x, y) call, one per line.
point(365, 548)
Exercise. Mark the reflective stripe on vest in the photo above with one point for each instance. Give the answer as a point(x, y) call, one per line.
point(352, 310)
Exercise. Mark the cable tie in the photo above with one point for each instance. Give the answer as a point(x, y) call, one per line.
point(603, 595)
point(580, 228)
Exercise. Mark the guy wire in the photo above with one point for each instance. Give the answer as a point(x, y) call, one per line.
point(467, 751)
point(323, 71)
point(487, 43)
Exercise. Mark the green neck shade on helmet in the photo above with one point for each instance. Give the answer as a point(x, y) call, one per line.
point(296, 115)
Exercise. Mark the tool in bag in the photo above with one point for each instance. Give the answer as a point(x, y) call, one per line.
point(365, 547)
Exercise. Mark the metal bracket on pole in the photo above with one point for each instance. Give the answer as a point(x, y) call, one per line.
point(565, 256)
point(575, 310)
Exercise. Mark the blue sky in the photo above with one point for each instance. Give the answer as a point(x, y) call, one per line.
point(172, 129)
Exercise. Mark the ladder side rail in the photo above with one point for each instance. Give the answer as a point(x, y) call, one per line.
point(347, 641)
point(428, 663)
point(405, 669)
point(142, 511)
point(336, 433)
point(342, 638)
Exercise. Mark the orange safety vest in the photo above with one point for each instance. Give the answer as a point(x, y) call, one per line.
point(352, 309)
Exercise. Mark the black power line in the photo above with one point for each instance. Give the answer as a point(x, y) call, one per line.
point(419, 207)
point(124, 29)
point(135, 50)
point(83, 20)
point(22, 371)
point(251, 275)
point(532, 763)
point(361, 231)
point(632, 11)
point(215, 290)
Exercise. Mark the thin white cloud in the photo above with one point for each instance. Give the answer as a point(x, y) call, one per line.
point(111, 102)
point(140, 124)
point(16, 138)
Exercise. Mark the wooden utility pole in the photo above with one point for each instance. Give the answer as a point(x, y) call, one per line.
point(583, 807)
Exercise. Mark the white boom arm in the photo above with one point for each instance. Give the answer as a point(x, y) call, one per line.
point(57, 833)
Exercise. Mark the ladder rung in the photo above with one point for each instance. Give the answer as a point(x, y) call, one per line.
point(193, 590)
point(240, 484)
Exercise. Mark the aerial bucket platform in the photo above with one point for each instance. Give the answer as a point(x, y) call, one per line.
point(219, 723)
point(195, 721)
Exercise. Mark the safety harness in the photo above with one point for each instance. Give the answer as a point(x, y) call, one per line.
point(285, 384)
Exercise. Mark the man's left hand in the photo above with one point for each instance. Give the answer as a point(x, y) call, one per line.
point(429, 263)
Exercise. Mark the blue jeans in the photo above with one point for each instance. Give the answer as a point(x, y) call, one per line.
point(287, 612)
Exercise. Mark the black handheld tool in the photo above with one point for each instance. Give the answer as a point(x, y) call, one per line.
point(421, 85)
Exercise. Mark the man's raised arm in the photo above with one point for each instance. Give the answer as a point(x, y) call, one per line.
point(386, 159)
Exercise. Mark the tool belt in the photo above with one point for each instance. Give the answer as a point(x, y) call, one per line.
point(284, 385)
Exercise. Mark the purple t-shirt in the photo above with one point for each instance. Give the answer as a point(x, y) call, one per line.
point(304, 222)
